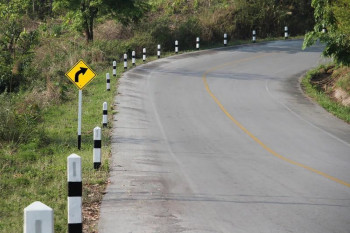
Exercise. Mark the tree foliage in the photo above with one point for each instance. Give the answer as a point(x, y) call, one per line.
point(332, 15)
point(83, 13)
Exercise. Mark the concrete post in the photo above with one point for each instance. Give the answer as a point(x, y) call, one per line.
point(114, 68)
point(197, 43)
point(254, 36)
point(225, 39)
point(176, 47)
point(38, 218)
point(104, 114)
point(108, 82)
point(75, 189)
point(97, 147)
point(144, 54)
point(125, 61)
point(158, 51)
point(286, 34)
point(133, 58)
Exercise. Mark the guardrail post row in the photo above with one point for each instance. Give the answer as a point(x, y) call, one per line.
point(158, 51)
point(254, 36)
point(144, 54)
point(104, 115)
point(176, 47)
point(114, 68)
point(97, 148)
point(108, 82)
point(125, 61)
point(286, 33)
point(75, 189)
point(133, 54)
point(197, 43)
point(38, 218)
point(225, 39)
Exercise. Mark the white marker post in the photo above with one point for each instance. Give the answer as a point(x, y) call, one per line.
point(286, 33)
point(176, 47)
point(133, 54)
point(158, 51)
point(104, 115)
point(38, 218)
point(125, 61)
point(324, 30)
point(254, 36)
point(144, 55)
point(80, 103)
point(197, 43)
point(97, 148)
point(114, 68)
point(75, 189)
point(108, 82)
point(225, 39)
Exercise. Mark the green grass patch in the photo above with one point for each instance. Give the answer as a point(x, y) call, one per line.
point(317, 93)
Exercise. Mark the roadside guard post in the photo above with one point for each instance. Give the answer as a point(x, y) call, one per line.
point(197, 43)
point(133, 54)
point(97, 148)
point(254, 36)
point(108, 82)
point(80, 75)
point(38, 218)
point(158, 51)
point(75, 190)
point(286, 34)
point(176, 46)
point(225, 39)
point(125, 61)
point(144, 54)
point(114, 68)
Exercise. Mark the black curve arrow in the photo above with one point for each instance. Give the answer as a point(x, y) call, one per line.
point(81, 71)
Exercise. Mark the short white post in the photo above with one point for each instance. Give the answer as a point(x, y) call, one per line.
point(144, 55)
point(324, 30)
point(197, 43)
point(104, 115)
point(75, 189)
point(38, 218)
point(133, 54)
point(158, 51)
point(97, 148)
point(286, 33)
point(125, 61)
point(108, 82)
point(114, 68)
point(176, 47)
point(225, 39)
point(254, 36)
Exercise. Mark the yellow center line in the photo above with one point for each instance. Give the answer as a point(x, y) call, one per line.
point(274, 153)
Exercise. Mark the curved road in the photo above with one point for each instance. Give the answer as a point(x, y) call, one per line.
point(223, 140)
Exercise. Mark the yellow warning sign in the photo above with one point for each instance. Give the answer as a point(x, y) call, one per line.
point(80, 74)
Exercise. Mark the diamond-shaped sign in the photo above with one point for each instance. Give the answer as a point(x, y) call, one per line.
point(80, 74)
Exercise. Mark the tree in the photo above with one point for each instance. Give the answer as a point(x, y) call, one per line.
point(83, 13)
point(332, 15)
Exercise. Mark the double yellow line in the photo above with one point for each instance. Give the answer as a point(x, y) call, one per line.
point(274, 153)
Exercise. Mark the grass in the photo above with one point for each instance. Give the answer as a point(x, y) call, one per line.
point(317, 93)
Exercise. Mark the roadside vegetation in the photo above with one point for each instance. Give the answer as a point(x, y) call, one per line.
point(330, 85)
point(41, 40)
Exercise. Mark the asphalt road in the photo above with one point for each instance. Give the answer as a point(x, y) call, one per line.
point(224, 141)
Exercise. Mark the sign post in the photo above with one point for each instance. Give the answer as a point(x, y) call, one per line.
point(80, 75)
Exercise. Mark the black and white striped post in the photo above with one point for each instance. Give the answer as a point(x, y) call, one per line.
point(125, 61)
point(104, 115)
point(286, 33)
point(144, 54)
point(97, 148)
point(176, 47)
point(133, 54)
point(75, 189)
point(225, 39)
point(108, 82)
point(197, 43)
point(38, 218)
point(254, 36)
point(158, 51)
point(114, 68)
point(324, 30)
